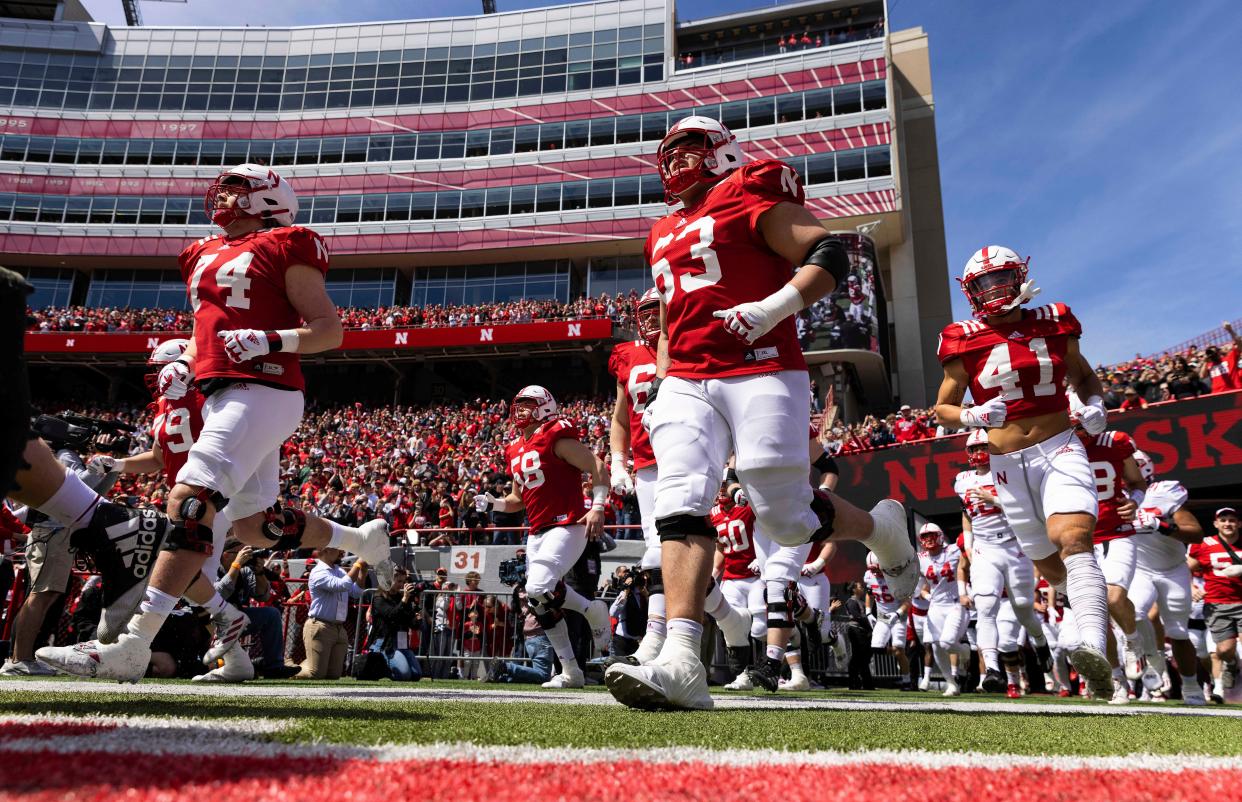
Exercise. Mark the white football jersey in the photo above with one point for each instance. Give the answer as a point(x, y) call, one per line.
point(1156, 552)
point(940, 572)
point(987, 521)
point(884, 600)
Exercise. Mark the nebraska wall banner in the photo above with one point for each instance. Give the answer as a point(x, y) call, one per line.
point(355, 340)
point(1197, 441)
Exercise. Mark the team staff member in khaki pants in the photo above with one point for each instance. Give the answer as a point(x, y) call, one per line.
point(324, 634)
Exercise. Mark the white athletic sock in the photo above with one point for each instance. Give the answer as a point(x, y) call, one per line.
point(72, 504)
point(215, 605)
point(1218, 686)
point(732, 622)
point(655, 609)
point(156, 606)
point(575, 601)
point(1145, 642)
point(926, 672)
point(651, 644)
point(558, 636)
point(1031, 623)
point(1084, 586)
point(346, 538)
point(795, 670)
point(1013, 675)
point(991, 658)
point(774, 652)
point(684, 635)
point(942, 662)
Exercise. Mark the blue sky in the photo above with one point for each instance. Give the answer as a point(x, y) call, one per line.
point(1102, 139)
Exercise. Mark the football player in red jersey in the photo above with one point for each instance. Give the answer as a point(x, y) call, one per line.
point(994, 565)
point(1119, 487)
point(259, 300)
point(733, 381)
point(547, 461)
point(1016, 363)
point(736, 570)
point(175, 426)
point(1218, 558)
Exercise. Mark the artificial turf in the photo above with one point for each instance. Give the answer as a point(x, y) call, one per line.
point(406, 720)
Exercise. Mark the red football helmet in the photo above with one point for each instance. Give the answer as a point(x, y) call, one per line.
point(647, 316)
point(715, 147)
point(161, 355)
point(931, 537)
point(995, 281)
point(977, 449)
point(532, 404)
point(259, 191)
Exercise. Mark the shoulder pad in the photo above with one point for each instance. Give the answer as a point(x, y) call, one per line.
point(772, 179)
point(951, 337)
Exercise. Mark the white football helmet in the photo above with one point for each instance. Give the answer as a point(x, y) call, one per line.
point(532, 404)
point(162, 354)
point(978, 458)
point(716, 146)
point(1146, 467)
point(995, 281)
point(647, 316)
point(873, 563)
point(260, 192)
point(931, 537)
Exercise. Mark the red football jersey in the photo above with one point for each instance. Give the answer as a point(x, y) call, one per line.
point(735, 531)
point(240, 284)
point(713, 257)
point(1022, 362)
point(175, 428)
point(1212, 556)
point(634, 366)
point(550, 487)
point(1107, 452)
point(1224, 374)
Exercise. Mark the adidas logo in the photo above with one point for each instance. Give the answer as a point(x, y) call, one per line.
point(138, 548)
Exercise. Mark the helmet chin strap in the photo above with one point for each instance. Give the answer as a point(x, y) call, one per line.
point(1027, 291)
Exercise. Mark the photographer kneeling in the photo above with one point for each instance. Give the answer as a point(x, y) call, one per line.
point(247, 580)
point(535, 644)
point(393, 614)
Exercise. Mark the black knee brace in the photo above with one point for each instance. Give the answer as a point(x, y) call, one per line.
point(190, 533)
point(655, 580)
point(285, 527)
point(780, 612)
point(680, 527)
point(822, 506)
point(1011, 659)
point(547, 606)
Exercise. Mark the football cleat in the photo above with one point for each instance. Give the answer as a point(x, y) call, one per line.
point(1121, 694)
point(796, 683)
point(125, 661)
point(124, 544)
point(1064, 693)
point(1043, 652)
point(607, 662)
point(766, 675)
point(1229, 674)
point(1193, 696)
point(570, 677)
point(1092, 665)
point(229, 625)
point(376, 552)
point(675, 680)
point(925, 683)
point(234, 666)
point(897, 558)
point(1133, 663)
point(25, 668)
point(739, 659)
point(1153, 680)
point(1013, 691)
point(951, 688)
point(601, 625)
point(740, 683)
point(993, 681)
point(495, 671)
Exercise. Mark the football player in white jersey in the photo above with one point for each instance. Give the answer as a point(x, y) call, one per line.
point(946, 617)
point(993, 564)
point(1163, 528)
point(889, 632)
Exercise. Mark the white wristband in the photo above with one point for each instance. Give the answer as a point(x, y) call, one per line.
point(288, 340)
point(961, 587)
point(618, 459)
point(784, 302)
point(599, 496)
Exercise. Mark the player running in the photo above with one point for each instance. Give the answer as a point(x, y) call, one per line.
point(259, 299)
point(994, 565)
point(731, 379)
point(547, 461)
point(1218, 558)
point(1016, 363)
point(737, 570)
point(889, 632)
point(946, 617)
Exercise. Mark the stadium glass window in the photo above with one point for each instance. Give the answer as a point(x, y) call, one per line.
point(330, 150)
point(453, 145)
point(366, 288)
point(78, 210)
point(404, 147)
point(6, 205)
point(851, 165)
point(14, 148)
point(573, 195)
point(151, 212)
point(284, 151)
point(654, 126)
point(874, 95)
point(423, 206)
point(761, 111)
point(235, 152)
point(497, 203)
point(448, 205)
point(39, 149)
point(398, 207)
point(102, 210)
point(733, 115)
point(324, 210)
point(818, 103)
point(210, 154)
point(26, 208)
point(372, 208)
point(577, 134)
point(138, 289)
point(617, 275)
point(599, 194)
point(126, 211)
point(526, 139)
point(163, 151)
point(477, 143)
point(113, 151)
point(652, 190)
point(91, 150)
point(789, 108)
point(176, 211)
point(429, 146)
point(52, 210)
point(522, 200)
point(878, 162)
point(472, 203)
point(348, 208)
point(847, 99)
point(820, 169)
point(548, 198)
point(551, 136)
point(626, 191)
point(187, 152)
point(603, 131)
point(629, 129)
point(52, 286)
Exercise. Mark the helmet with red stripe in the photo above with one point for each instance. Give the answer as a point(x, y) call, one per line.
point(161, 355)
point(533, 404)
point(977, 449)
point(995, 281)
point(251, 190)
point(647, 316)
point(696, 149)
point(873, 563)
point(931, 537)
point(1146, 467)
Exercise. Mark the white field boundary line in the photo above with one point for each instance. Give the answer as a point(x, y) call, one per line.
point(429, 692)
point(171, 737)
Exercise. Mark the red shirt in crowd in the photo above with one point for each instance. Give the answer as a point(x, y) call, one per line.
point(1212, 555)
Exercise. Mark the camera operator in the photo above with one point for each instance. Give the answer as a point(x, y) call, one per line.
point(1222, 369)
point(49, 563)
point(535, 645)
point(630, 610)
point(394, 613)
point(247, 580)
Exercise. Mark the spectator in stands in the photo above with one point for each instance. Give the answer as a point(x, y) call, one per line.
point(1222, 369)
point(394, 614)
point(247, 581)
point(1132, 400)
point(324, 634)
point(1182, 381)
point(907, 428)
point(780, 43)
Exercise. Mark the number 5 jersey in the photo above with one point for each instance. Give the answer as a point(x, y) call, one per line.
point(634, 366)
point(551, 488)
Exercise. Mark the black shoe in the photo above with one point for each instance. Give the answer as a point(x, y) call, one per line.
point(1044, 655)
point(963, 683)
point(907, 685)
point(1217, 699)
point(766, 675)
point(604, 663)
point(994, 681)
point(822, 506)
point(814, 637)
point(280, 671)
point(495, 671)
point(739, 658)
point(123, 543)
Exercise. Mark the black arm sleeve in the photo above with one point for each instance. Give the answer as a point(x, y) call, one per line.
point(829, 254)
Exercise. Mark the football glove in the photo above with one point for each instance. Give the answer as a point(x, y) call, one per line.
point(1092, 416)
point(101, 464)
point(813, 568)
point(622, 483)
point(755, 567)
point(174, 380)
point(753, 319)
point(985, 416)
point(739, 497)
point(242, 345)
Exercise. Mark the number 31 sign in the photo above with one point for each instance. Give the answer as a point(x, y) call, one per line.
point(463, 560)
